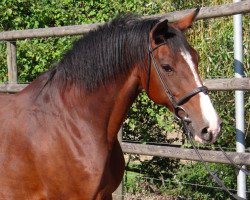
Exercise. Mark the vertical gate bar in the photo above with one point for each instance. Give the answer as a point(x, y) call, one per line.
point(118, 194)
point(11, 62)
point(239, 100)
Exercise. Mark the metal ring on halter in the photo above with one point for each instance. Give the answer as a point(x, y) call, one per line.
point(180, 114)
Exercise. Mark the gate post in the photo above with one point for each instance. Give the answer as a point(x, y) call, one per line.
point(118, 194)
point(11, 62)
point(239, 100)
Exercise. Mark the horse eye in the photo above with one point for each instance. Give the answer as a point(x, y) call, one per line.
point(167, 68)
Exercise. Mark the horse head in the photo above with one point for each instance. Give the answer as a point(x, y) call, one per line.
point(172, 78)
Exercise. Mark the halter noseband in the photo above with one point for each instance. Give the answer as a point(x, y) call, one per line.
point(175, 103)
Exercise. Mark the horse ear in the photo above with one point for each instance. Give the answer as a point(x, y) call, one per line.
point(159, 30)
point(186, 22)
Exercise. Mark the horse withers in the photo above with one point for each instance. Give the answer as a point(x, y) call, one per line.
point(58, 137)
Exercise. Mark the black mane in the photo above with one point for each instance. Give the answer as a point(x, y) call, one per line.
point(102, 54)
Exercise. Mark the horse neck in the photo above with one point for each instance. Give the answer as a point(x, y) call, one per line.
point(123, 100)
point(102, 110)
point(106, 106)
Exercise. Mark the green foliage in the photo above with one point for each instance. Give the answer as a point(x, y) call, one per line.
point(188, 180)
point(41, 54)
point(147, 122)
point(130, 182)
point(194, 182)
point(162, 168)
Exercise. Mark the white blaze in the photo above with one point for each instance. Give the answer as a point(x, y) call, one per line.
point(208, 112)
point(187, 57)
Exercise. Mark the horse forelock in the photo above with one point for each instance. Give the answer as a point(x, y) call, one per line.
point(108, 52)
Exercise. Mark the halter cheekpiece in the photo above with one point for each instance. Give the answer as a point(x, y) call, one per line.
point(175, 103)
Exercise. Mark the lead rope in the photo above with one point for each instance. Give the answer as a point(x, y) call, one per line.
point(239, 168)
point(212, 174)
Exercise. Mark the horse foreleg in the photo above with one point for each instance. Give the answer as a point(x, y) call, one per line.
point(113, 174)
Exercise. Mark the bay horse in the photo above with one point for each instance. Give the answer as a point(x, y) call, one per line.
point(58, 136)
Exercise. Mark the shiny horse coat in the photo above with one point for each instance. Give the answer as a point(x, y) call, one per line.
point(58, 137)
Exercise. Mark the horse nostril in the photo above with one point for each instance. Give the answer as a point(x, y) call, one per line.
point(205, 134)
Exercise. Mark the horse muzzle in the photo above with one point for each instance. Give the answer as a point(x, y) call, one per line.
point(208, 134)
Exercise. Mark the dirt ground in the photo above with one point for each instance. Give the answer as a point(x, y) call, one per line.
point(148, 197)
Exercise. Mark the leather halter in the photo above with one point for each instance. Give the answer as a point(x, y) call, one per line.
point(185, 120)
point(175, 103)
